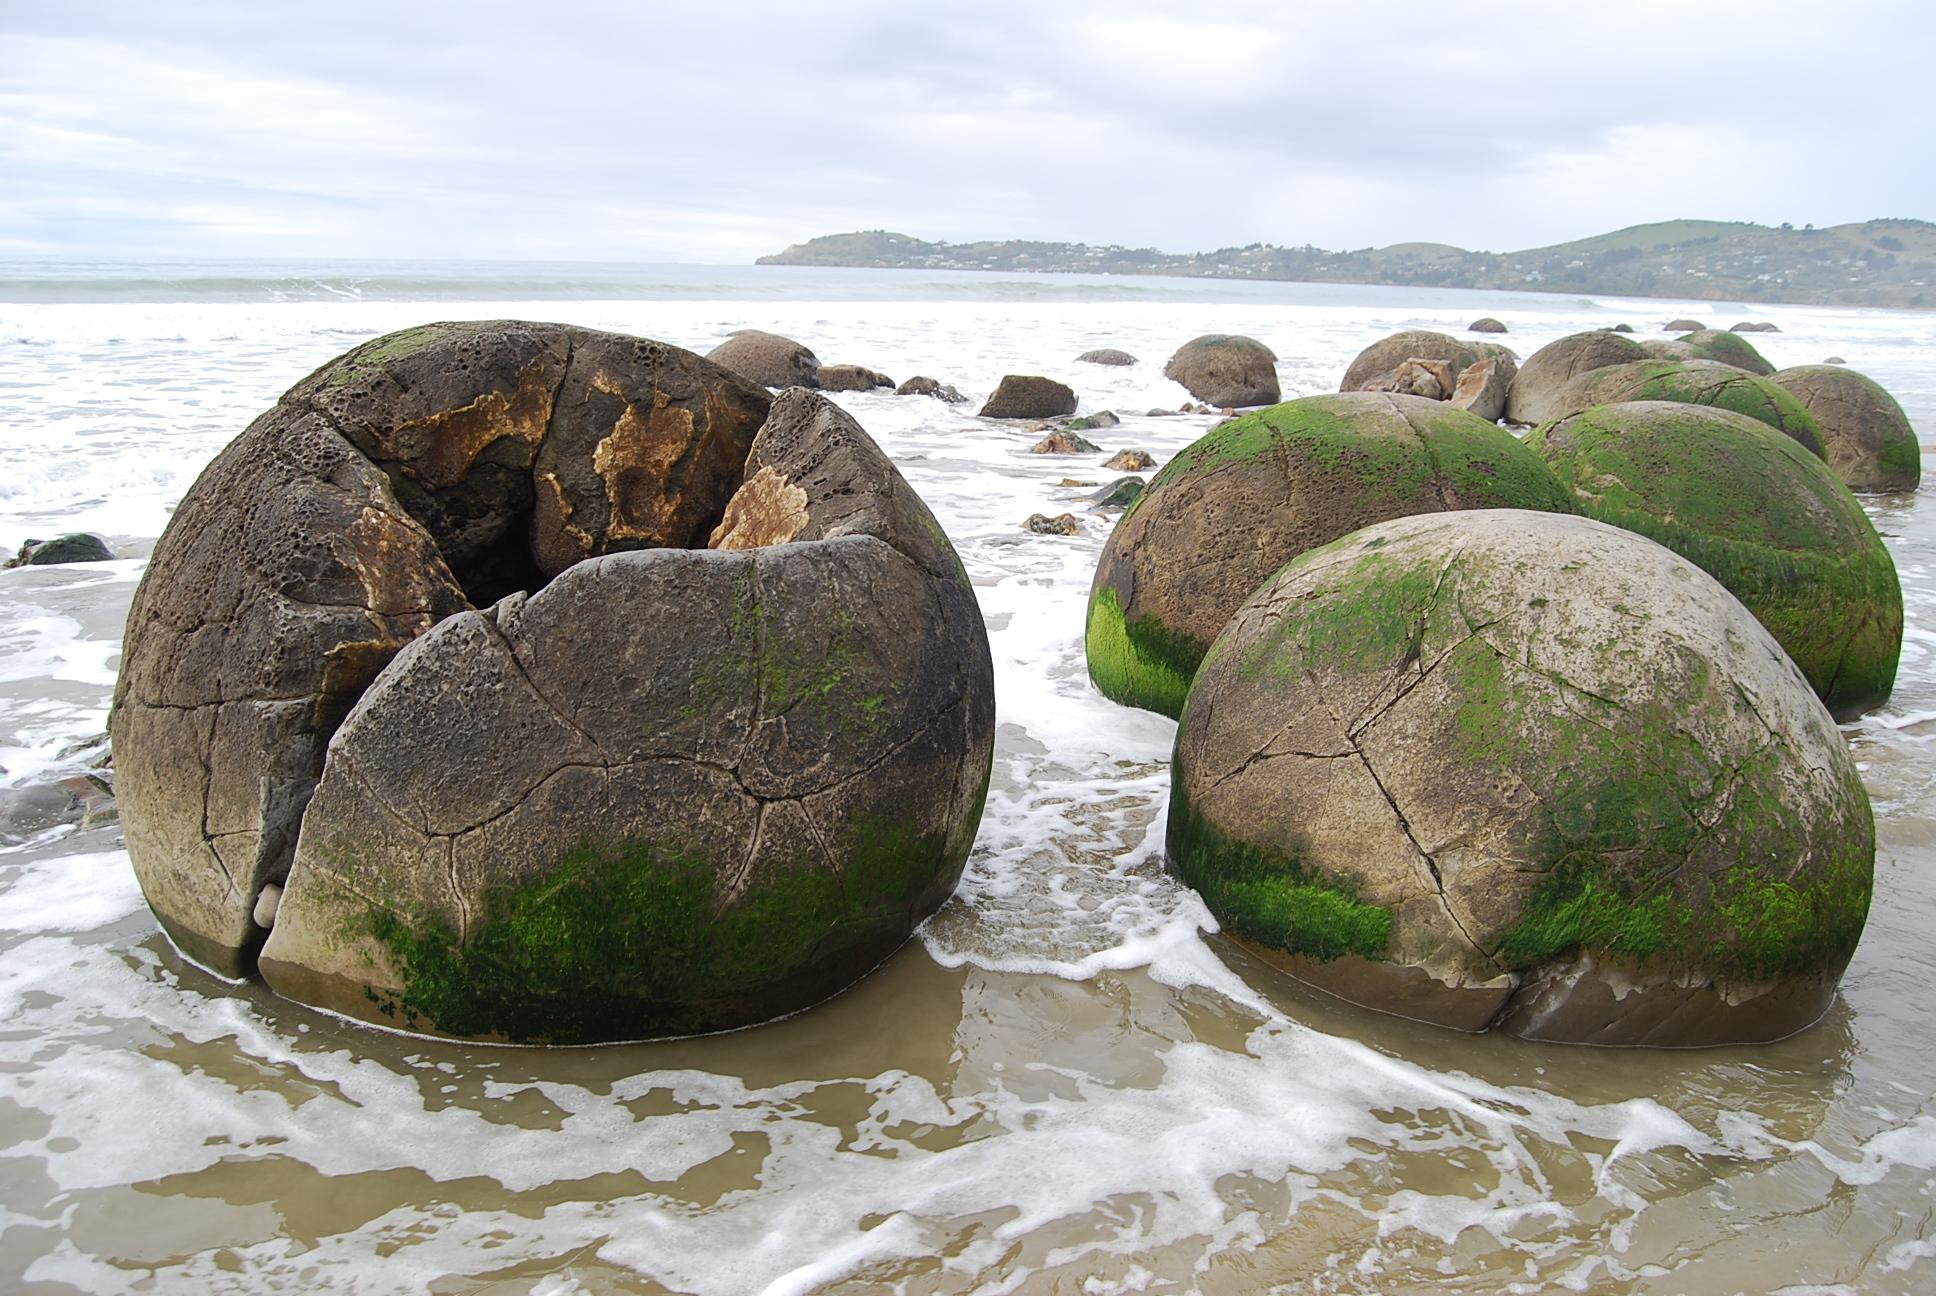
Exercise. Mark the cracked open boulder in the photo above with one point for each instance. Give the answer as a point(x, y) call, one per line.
point(1524, 771)
point(1758, 513)
point(539, 684)
point(1259, 490)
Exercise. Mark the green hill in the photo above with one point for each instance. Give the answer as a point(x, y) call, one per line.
point(1870, 263)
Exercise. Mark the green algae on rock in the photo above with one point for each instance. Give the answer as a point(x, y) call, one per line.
point(1259, 490)
point(1758, 513)
point(1524, 771)
point(1870, 443)
point(1693, 382)
point(1724, 347)
point(1537, 385)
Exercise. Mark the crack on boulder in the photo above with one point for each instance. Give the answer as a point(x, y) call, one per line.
point(496, 631)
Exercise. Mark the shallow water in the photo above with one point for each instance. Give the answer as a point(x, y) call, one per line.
point(1065, 1084)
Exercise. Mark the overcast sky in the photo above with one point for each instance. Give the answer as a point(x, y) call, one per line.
point(720, 131)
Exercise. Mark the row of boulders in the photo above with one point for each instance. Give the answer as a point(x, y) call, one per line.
point(1838, 414)
point(1510, 768)
point(522, 682)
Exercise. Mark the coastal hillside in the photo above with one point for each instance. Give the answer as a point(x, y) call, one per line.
point(1871, 263)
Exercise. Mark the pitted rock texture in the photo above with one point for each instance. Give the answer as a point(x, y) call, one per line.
point(1867, 438)
point(1226, 369)
point(392, 488)
point(673, 791)
point(1759, 514)
point(1693, 382)
point(1378, 366)
point(1535, 389)
point(1029, 396)
point(1257, 491)
point(1524, 771)
point(767, 359)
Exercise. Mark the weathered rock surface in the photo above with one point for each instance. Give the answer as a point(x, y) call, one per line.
point(1621, 328)
point(1377, 367)
point(1728, 349)
point(1431, 379)
point(1485, 325)
point(1746, 327)
point(1106, 356)
point(1089, 422)
point(1130, 461)
point(1029, 396)
point(1484, 386)
point(674, 790)
point(75, 547)
point(851, 378)
point(1668, 349)
point(1758, 513)
point(920, 385)
point(1226, 369)
point(767, 359)
point(1682, 326)
point(1120, 493)
point(1063, 443)
point(1534, 396)
point(1256, 492)
point(1060, 524)
point(1866, 437)
point(1694, 382)
point(1527, 772)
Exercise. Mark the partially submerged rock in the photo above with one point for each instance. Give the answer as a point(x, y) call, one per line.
point(1130, 461)
point(74, 547)
point(851, 378)
point(1682, 326)
point(1758, 513)
point(1029, 396)
point(1867, 438)
point(1106, 356)
point(1226, 369)
point(1485, 325)
point(1535, 393)
point(673, 789)
point(767, 359)
point(1697, 382)
point(1090, 422)
point(921, 385)
point(1621, 328)
point(1256, 492)
point(1378, 366)
point(1120, 493)
point(1526, 772)
point(1062, 443)
point(1061, 524)
point(1746, 327)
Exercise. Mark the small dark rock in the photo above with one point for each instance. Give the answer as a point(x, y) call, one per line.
point(920, 385)
point(1029, 396)
point(1106, 356)
point(1835, 360)
point(1621, 328)
point(1130, 461)
point(1486, 325)
point(1090, 422)
point(846, 378)
point(1064, 443)
point(1120, 493)
point(1061, 524)
point(76, 547)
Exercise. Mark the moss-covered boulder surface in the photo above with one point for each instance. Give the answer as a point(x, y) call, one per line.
point(1259, 490)
point(1758, 513)
point(1727, 348)
point(1529, 772)
point(517, 681)
point(1869, 441)
point(1693, 382)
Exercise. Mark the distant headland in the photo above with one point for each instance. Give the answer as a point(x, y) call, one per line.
point(1871, 263)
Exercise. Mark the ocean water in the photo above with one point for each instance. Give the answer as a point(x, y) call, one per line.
point(1068, 1082)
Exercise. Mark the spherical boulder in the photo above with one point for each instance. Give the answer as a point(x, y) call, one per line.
point(1526, 772)
point(1486, 325)
point(1106, 356)
point(1668, 349)
point(1257, 491)
point(1694, 382)
point(656, 788)
point(1728, 349)
point(767, 359)
point(1029, 396)
point(1535, 390)
point(1868, 439)
point(1377, 367)
point(1226, 370)
point(1760, 514)
point(1682, 326)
